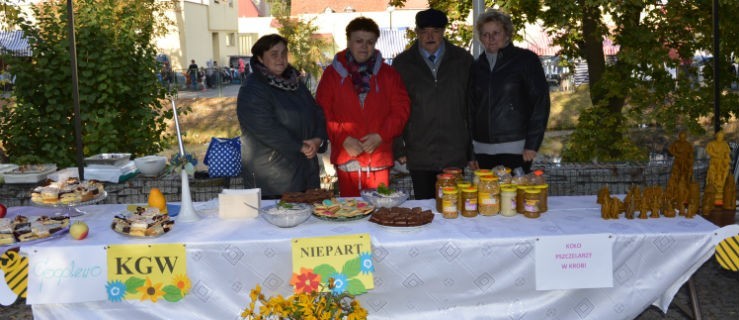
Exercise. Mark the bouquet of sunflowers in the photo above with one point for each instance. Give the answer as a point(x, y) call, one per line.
point(316, 304)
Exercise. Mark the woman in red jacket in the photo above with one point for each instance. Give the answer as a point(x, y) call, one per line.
point(366, 107)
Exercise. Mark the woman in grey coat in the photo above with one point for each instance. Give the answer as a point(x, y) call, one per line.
point(282, 127)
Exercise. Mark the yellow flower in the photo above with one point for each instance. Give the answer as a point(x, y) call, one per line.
point(182, 282)
point(149, 291)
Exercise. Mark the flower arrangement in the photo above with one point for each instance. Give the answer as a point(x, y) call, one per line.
point(317, 303)
point(176, 163)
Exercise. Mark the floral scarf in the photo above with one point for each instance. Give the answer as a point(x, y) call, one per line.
point(288, 80)
point(361, 72)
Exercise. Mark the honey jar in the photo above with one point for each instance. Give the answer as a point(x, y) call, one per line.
point(456, 172)
point(461, 185)
point(480, 173)
point(449, 203)
point(544, 196)
point(531, 202)
point(469, 202)
point(443, 180)
point(508, 200)
point(488, 195)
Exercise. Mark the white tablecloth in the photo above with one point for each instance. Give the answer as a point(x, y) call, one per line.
point(462, 268)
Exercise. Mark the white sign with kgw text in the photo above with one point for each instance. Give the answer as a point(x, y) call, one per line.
point(574, 262)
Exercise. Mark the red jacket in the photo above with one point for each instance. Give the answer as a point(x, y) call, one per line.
point(385, 112)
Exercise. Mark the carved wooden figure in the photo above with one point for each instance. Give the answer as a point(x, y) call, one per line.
point(729, 193)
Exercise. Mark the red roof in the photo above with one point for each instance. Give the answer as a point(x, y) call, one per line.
point(319, 6)
point(247, 9)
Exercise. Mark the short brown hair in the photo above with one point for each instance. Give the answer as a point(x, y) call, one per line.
point(265, 43)
point(362, 24)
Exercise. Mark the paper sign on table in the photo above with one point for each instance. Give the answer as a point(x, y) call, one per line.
point(347, 259)
point(239, 203)
point(147, 272)
point(574, 262)
point(66, 274)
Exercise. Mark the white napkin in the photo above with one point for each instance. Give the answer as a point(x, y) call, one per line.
point(239, 203)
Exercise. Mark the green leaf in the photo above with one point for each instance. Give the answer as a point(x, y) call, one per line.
point(134, 283)
point(325, 271)
point(172, 293)
point(352, 267)
point(355, 287)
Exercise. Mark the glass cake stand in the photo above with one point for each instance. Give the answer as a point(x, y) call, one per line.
point(71, 209)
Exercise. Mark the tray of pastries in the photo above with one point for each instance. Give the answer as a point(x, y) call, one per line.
point(402, 217)
point(310, 196)
point(27, 230)
point(71, 191)
point(143, 222)
point(342, 209)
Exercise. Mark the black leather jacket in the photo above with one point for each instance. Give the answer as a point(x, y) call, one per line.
point(511, 102)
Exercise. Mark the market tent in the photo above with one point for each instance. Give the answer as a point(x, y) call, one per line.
point(14, 43)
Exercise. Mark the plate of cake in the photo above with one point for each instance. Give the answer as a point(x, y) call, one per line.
point(399, 217)
point(144, 222)
point(27, 230)
point(342, 209)
point(69, 192)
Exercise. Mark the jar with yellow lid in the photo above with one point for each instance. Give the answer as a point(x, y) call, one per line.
point(456, 172)
point(508, 200)
point(443, 180)
point(469, 202)
point(449, 202)
point(520, 191)
point(488, 195)
point(544, 196)
point(531, 202)
point(461, 185)
point(480, 173)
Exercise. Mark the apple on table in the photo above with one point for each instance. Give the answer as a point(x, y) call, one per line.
point(79, 230)
point(3, 210)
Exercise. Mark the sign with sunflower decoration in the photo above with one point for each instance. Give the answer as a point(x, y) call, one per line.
point(147, 272)
point(346, 260)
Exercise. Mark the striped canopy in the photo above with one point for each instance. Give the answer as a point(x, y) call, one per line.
point(14, 43)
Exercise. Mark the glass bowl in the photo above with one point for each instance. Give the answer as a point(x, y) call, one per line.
point(287, 217)
point(384, 201)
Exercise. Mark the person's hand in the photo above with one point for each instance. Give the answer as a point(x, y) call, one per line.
point(403, 160)
point(310, 147)
point(529, 155)
point(370, 142)
point(473, 165)
point(352, 146)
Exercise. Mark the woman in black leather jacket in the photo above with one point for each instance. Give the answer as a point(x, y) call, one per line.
point(282, 127)
point(509, 98)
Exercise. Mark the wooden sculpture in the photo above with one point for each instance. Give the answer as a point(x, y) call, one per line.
point(718, 166)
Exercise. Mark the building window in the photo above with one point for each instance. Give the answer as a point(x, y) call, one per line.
point(231, 39)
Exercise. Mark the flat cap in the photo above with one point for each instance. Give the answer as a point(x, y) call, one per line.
point(431, 18)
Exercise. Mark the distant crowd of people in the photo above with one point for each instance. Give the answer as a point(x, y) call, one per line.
point(435, 107)
point(201, 78)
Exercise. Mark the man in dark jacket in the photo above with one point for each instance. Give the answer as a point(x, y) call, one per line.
point(510, 98)
point(435, 73)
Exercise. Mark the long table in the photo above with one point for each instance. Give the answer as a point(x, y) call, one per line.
point(462, 268)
